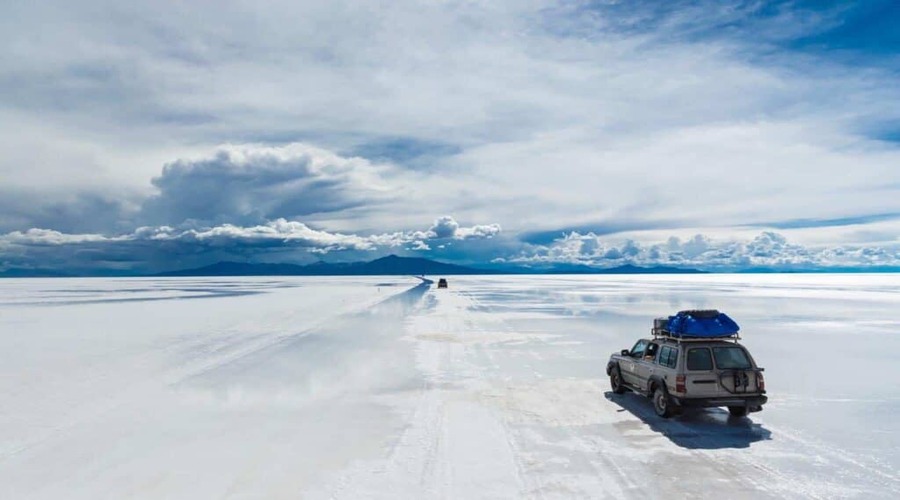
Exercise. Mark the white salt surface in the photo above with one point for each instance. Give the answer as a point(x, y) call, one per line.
point(378, 388)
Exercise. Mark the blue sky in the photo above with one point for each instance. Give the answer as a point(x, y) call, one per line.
point(151, 136)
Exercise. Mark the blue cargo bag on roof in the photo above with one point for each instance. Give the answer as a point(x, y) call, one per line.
point(702, 324)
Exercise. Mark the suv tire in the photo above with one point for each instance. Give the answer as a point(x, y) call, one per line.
point(738, 411)
point(661, 403)
point(615, 381)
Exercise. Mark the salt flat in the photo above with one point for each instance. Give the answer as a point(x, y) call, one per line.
point(383, 388)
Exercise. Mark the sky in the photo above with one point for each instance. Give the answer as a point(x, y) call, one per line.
point(720, 135)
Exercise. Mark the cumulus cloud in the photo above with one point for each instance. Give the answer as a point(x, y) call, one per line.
point(447, 227)
point(245, 201)
point(49, 237)
point(254, 183)
point(767, 249)
point(444, 227)
point(419, 246)
point(151, 243)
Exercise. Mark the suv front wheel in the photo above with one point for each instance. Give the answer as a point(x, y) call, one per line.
point(661, 403)
point(615, 381)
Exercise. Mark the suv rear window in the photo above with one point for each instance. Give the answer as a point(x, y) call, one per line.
point(699, 359)
point(668, 356)
point(731, 358)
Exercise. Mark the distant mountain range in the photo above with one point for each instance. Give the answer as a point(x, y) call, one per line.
point(395, 265)
point(389, 265)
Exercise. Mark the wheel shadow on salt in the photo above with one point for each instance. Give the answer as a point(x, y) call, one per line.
point(706, 429)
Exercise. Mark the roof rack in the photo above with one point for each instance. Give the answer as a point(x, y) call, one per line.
point(664, 334)
point(696, 325)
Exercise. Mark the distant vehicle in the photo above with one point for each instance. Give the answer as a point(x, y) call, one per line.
point(442, 283)
point(693, 360)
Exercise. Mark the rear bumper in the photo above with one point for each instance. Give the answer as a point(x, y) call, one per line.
point(754, 403)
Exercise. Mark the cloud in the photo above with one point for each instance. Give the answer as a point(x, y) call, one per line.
point(842, 221)
point(145, 249)
point(447, 227)
point(279, 232)
point(254, 183)
point(47, 237)
point(419, 246)
point(444, 227)
point(767, 249)
point(80, 210)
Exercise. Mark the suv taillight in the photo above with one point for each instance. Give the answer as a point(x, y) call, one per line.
point(679, 384)
point(760, 381)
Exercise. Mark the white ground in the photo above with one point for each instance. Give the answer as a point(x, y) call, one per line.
point(375, 388)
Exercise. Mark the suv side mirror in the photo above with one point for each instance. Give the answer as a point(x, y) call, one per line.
point(626, 352)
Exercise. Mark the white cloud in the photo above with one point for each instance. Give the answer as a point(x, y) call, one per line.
point(766, 249)
point(153, 242)
point(447, 227)
point(419, 245)
point(279, 231)
point(49, 237)
point(444, 227)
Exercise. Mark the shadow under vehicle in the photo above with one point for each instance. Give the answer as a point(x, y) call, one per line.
point(710, 429)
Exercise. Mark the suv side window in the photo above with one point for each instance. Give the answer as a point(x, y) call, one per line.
point(650, 352)
point(638, 350)
point(668, 356)
point(699, 358)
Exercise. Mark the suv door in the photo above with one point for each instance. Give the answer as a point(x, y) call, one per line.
point(701, 378)
point(645, 366)
point(629, 365)
point(667, 365)
point(735, 369)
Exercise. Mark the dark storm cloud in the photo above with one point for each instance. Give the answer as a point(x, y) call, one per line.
point(70, 212)
point(251, 185)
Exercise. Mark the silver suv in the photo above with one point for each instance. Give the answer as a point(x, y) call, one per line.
point(700, 365)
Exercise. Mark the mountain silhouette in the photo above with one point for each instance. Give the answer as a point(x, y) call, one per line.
point(390, 265)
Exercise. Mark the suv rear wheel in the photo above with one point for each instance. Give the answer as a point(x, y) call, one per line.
point(737, 411)
point(661, 403)
point(615, 381)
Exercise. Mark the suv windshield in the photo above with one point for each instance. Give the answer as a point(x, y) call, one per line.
point(731, 358)
point(638, 350)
